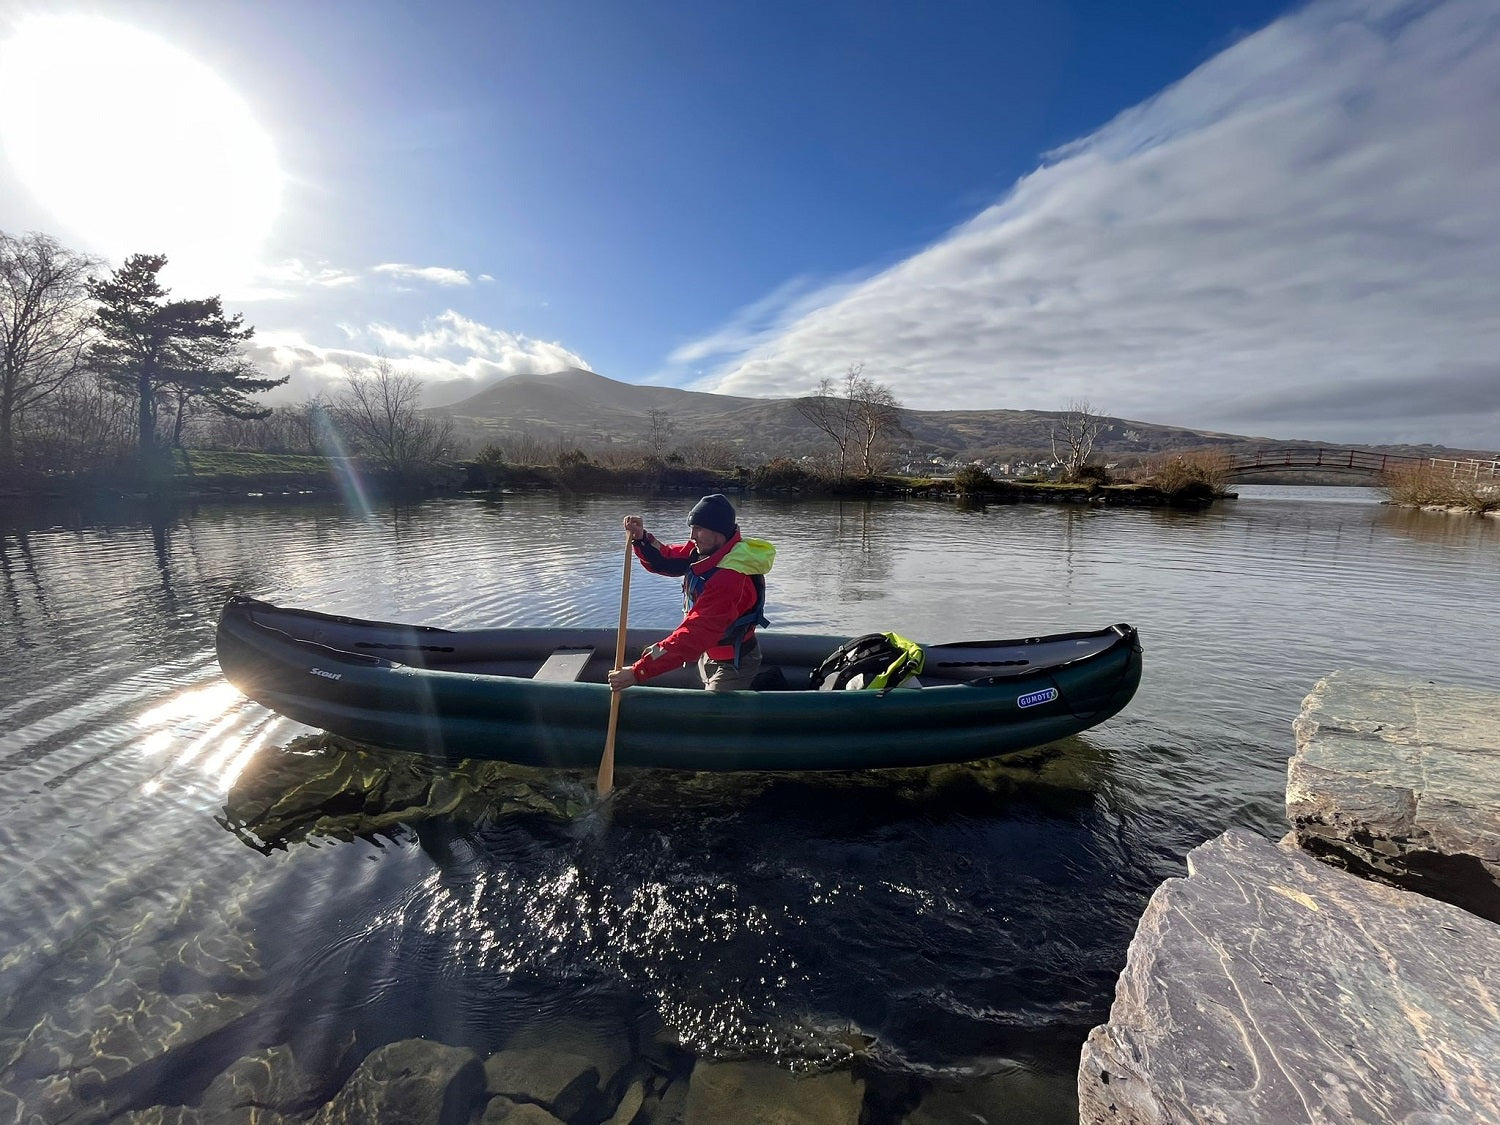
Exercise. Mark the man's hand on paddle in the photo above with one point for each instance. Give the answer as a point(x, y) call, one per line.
point(622, 678)
point(634, 527)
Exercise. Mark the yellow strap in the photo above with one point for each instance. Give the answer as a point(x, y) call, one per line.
point(910, 663)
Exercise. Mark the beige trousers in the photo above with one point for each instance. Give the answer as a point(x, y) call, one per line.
point(722, 676)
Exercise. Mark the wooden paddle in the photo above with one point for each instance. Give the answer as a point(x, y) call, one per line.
point(606, 780)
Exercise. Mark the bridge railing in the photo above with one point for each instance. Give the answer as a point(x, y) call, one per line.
point(1468, 469)
point(1358, 460)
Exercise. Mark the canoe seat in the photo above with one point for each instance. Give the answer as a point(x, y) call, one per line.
point(565, 664)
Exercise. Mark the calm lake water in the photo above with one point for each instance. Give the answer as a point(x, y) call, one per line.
point(956, 930)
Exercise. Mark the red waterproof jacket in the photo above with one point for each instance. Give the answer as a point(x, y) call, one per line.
point(728, 594)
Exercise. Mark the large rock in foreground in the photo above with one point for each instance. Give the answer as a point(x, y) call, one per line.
point(1269, 986)
point(1401, 781)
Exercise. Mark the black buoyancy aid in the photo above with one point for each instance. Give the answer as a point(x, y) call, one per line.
point(692, 586)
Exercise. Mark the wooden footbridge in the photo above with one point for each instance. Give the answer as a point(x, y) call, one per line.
point(1360, 461)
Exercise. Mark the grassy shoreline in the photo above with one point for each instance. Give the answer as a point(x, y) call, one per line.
point(269, 477)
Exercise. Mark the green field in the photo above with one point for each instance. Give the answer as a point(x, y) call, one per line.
point(223, 463)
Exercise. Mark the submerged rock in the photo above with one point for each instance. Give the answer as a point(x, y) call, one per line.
point(274, 1079)
point(503, 1111)
point(758, 1093)
point(195, 1115)
point(565, 1084)
point(565, 1066)
point(630, 1104)
point(101, 1018)
point(415, 1082)
point(1269, 986)
point(1017, 1094)
point(1401, 781)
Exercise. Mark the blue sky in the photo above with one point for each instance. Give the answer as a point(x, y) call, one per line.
point(1240, 216)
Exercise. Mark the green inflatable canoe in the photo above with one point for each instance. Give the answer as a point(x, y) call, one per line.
point(538, 697)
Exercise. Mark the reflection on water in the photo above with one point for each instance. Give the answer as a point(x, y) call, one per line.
point(1455, 530)
point(951, 934)
point(323, 787)
point(683, 905)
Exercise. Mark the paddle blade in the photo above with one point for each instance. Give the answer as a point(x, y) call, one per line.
point(606, 779)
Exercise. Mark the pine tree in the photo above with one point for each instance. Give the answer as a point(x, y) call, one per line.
point(170, 355)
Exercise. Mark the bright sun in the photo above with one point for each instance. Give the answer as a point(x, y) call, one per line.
point(134, 146)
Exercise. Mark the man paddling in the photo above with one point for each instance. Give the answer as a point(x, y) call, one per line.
point(723, 596)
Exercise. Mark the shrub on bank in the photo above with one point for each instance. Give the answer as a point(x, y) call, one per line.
point(1195, 475)
point(1090, 474)
point(489, 466)
point(1478, 496)
point(781, 474)
point(577, 472)
point(1426, 485)
point(971, 479)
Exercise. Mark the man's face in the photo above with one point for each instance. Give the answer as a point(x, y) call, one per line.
point(705, 540)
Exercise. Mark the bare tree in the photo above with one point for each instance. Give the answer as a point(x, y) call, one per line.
point(877, 416)
point(709, 453)
point(44, 312)
point(81, 427)
point(286, 429)
point(529, 448)
point(313, 423)
point(1074, 435)
point(857, 414)
point(379, 412)
point(659, 432)
point(828, 410)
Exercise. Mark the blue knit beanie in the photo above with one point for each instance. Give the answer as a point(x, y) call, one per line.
point(715, 513)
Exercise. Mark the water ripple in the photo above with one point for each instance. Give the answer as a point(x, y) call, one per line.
point(937, 924)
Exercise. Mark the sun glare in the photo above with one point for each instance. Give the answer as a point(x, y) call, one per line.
point(135, 146)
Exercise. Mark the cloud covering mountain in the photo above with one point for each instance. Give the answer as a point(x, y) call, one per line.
point(1299, 237)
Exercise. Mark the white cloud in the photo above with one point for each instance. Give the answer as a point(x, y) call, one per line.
point(758, 323)
point(295, 278)
point(451, 333)
point(279, 281)
point(1298, 238)
point(436, 275)
point(454, 355)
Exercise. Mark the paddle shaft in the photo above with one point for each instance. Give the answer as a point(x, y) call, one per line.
point(606, 780)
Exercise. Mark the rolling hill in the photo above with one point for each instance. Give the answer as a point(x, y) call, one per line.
point(587, 410)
